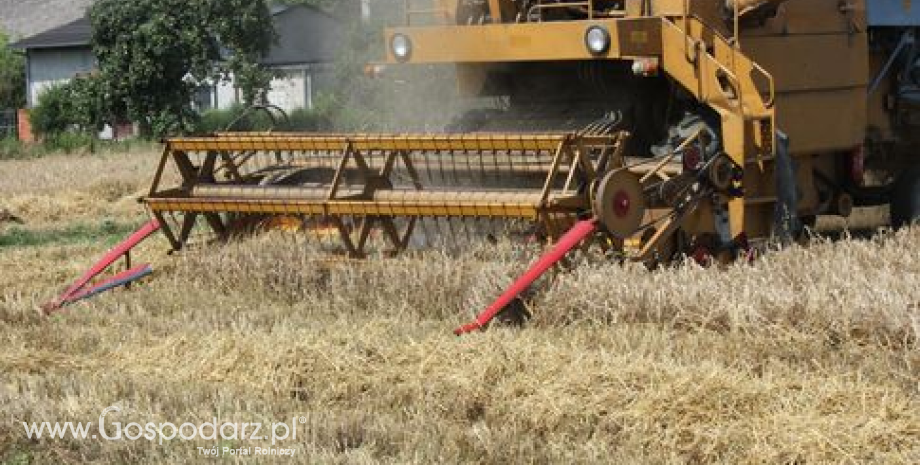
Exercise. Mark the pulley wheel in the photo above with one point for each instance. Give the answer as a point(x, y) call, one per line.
point(721, 173)
point(619, 203)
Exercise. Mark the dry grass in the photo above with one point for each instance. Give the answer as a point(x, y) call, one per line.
point(60, 189)
point(808, 356)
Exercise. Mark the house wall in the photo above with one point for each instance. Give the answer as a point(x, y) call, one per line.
point(49, 67)
point(291, 90)
point(300, 86)
point(226, 95)
point(296, 88)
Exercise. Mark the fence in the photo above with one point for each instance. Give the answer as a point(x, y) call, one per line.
point(8, 124)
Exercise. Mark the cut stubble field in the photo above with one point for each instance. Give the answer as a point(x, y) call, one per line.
point(809, 355)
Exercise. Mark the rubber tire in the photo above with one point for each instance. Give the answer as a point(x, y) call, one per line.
point(905, 198)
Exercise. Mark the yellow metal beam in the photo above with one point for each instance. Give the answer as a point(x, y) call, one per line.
point(341, 208)
point(433, 143)
point(550, 41)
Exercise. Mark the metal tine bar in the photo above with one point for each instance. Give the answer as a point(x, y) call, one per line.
point(420, 237)
point(552, 232)
point(450, 175)
point(666, 159)
point(467, 156)
point(438, 156)
point(166, 227)
point(438, 238)
point(573, 169)
point(506, 158)
point(433, 232)
point(465, 227)
point(482, 166)
point(427, 164)
point(495, 164)
point(451, 235)
point(453, 167)
point(455, 237)
point(510, 155)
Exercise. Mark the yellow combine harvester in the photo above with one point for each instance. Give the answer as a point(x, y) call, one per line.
point(659, 118)
point(653, 127)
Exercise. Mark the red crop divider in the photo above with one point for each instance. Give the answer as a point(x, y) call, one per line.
point(121, 279)
point(120, 250)
point(569, 241)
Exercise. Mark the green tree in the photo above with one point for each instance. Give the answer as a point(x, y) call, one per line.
point(90, 104)
point(80, 106)
point(51, 115)
point(153, 53)
point(12, 76)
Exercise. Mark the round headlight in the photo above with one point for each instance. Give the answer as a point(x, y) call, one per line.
point(597, 39)
point(401, 47)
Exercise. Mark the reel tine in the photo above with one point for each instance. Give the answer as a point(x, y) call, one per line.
point(465, 227)
point(427, 226)
point(495, 167)
point(441, 239)
point(482, 167)
point(427, 163)
point(453, 166)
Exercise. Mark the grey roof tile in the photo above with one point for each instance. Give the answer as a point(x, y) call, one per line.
point(24, 18)
point(77, 33)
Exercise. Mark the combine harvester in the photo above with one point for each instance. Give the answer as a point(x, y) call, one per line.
point(650, 128)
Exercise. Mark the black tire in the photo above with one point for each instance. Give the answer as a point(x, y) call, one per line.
point(905, 198)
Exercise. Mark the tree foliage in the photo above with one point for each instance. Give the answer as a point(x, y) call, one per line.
point(82, 105)
point(153, 53)
point(12, 76)
point(51, 112)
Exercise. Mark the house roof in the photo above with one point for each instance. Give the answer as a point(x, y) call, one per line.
point(71, 35)
point(25, 18)
point(305, 35)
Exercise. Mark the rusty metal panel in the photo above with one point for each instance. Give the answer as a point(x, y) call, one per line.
point(812, 62)
point(639, 37)
point(815, 17)
point(823, 121)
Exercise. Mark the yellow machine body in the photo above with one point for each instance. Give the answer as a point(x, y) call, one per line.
point(714, 121)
